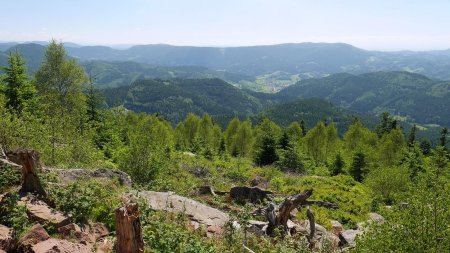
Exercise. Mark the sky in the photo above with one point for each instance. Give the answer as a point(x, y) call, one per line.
point(368, 24)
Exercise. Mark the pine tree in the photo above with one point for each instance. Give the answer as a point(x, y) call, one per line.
point(303, 127)
point(338, 165)
point(94, 99)
point(266, 144)
point(443, 139)
point(425, 146)
point(412, 136)
point(357, 169)
point(19, 92)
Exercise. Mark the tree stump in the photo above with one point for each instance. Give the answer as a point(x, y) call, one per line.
point(30, 162)
point(128, 229)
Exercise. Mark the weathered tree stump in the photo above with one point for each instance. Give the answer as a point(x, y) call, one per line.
point(128, 229)
point(30, 162)
point(281, 216)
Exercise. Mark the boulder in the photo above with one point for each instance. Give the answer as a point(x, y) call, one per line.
point(350, 236)
point(337, 227)
point(60, 246)
point(73, 231)
point(374, 217)
point(196, 211)
point(42, 213)
point(99, 230)
point(259, 181)
point(5, 238)
point(71, 175)
point(34, 236)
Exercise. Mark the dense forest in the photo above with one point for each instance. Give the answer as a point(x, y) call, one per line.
point(377, 168)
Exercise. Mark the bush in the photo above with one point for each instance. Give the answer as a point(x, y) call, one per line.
point(9, 176)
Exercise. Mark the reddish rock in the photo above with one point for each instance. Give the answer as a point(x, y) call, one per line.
point(5, 238)
point(60, 246)
point(99, 230)
point(35, 235)
point(42, 213)
point(73, 231)
point(104, 245)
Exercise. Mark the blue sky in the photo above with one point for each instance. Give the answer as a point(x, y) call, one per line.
point(376, 24)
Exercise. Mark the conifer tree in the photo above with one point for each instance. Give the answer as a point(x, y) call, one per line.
point(412, 136)
point(19, 92)
point(358, 166)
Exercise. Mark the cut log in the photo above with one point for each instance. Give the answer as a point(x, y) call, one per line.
point(128, 229)
point(30, 162)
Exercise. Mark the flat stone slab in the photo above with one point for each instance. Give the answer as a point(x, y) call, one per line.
point(71, 175)
point(42, 213)
point(60, 246)
point(201, 213)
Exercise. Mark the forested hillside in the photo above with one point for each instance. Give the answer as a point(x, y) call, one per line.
point(261, 186)
point(410, 96)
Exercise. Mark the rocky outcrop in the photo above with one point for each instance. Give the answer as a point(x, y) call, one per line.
point(34, 236)
point(5, 238)
point(60, 246)
point(40, 212)
point(74, 232)
point(205, 215)
point(71, 175)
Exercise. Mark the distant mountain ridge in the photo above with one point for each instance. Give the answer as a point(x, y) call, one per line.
point(305, 59)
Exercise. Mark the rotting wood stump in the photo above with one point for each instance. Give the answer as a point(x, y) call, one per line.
point(128, 229)
point(30, 162)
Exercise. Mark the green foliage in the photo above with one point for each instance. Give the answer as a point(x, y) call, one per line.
point(358, 168)
point(88, 200)
point(59, 81)
point(388, 182)
point(19, 92)
point(420, 223)
point(338, 165)
point(266, 143)
point(150, 143)
point(14, 215)
point(9, 176)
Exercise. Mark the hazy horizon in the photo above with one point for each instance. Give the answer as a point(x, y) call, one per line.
point(377, 25)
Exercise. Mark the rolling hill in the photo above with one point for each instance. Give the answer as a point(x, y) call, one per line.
point(413, 97)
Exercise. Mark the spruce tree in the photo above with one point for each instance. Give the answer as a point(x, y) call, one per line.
point(412, 136)
point(443, 139)
point(19, 92)
point(357, 169)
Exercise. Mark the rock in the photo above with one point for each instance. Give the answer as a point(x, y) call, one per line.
point(193, 225)
point(71, 175)
point(337, 227)
point(42, 213)
point(99, 230)
point(259, 182)
point(5, 238)
point(196, 211)
point(105, 245)
point(34, 236)
point(374, 217)
point(350, 236)
point(60, 246)
point(73, 231)
point(253, 195)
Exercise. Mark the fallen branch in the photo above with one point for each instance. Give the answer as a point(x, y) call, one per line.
point(248, 249)
point(312, 228)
